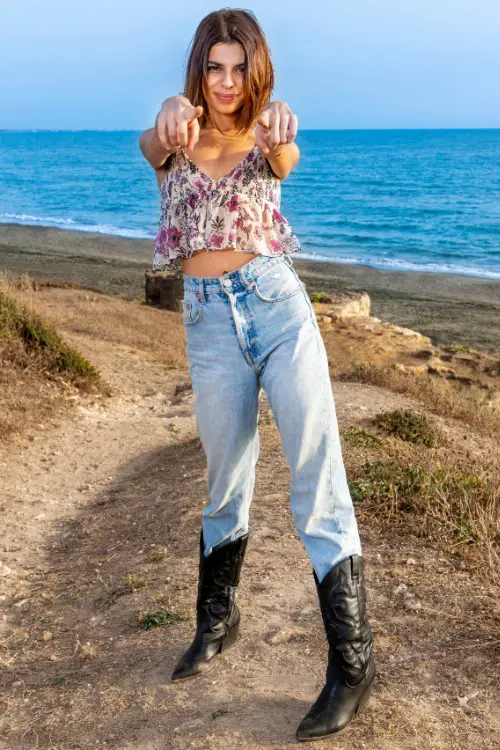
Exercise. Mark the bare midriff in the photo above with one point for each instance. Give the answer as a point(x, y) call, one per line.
point(214, 263)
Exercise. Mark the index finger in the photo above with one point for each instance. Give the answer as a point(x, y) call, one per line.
point(182, 131)
point(292, 127)
point(161, 129)
point(194, 129)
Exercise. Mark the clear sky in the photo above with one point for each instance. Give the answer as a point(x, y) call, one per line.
point(108, 64)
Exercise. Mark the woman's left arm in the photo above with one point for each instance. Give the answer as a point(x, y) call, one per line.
point(275, 132)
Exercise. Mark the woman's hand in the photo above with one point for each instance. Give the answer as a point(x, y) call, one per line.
point(277, 124)
point(177, 123)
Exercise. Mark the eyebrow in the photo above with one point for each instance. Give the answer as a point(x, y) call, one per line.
point(214, 62)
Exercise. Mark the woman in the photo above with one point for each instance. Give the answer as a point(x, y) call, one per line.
point(220, 152)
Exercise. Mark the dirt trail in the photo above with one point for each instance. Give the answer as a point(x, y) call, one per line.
point(101, 520)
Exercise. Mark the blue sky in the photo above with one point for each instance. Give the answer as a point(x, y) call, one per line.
point(108, 64)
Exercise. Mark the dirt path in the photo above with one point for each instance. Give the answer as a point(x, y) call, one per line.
point(101, 520)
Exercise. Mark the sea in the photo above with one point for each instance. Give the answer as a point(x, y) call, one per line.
point(417, 200)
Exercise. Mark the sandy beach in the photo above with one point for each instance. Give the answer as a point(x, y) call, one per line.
point(450, 308)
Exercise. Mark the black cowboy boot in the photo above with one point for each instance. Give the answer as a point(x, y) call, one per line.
point(351, 668)
point(217, 614)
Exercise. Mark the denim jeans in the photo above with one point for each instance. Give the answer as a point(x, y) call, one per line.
point(250, 329)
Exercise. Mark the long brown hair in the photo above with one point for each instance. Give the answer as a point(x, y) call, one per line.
point(227, 26)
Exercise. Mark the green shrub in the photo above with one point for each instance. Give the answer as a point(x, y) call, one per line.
point(406, 425)
point(40, 337)
point(320, 297)
point(160, 619)
point(360, 436)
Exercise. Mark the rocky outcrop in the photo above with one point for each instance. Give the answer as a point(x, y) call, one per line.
point(361, 337)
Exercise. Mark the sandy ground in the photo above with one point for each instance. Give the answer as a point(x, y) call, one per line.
point(101, 518)
point(447, 307)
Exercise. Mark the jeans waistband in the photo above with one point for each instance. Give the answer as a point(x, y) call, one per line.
point(233, 280)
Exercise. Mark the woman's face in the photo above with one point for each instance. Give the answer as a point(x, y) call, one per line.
point(225, 78)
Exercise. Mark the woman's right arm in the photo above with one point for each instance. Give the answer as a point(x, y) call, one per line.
point(176, 123)
point(153, 149)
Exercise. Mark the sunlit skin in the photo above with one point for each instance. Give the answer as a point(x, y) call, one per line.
point(216, 153)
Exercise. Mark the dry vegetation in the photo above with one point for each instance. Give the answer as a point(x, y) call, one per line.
point(42, 371)
point(38, 369)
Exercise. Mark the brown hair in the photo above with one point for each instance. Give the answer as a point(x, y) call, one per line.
point(227, 26)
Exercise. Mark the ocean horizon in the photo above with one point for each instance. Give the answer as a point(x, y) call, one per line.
point(393, 199)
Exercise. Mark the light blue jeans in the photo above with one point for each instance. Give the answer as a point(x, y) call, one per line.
point(256, 328)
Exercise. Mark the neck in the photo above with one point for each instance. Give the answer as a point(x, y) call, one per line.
point(223, 125)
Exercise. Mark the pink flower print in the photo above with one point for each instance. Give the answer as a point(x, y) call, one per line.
point(174, 237)
point(216, 239)
point(237, 174)
point(232, 237)
point(233, 203)
point(192, 200)
point(198, 183)
point(277, 216)
point(276, 245)
point(160, 240)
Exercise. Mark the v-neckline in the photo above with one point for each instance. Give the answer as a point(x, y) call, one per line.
point(217, 182)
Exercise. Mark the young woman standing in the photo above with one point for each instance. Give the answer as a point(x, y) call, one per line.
point(220, 152)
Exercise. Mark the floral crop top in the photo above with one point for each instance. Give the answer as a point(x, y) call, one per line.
point(241, 210)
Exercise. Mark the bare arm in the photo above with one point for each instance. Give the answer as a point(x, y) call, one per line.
point(153, 150)
point(283, 158)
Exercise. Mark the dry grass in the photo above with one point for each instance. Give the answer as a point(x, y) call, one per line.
point(444, 397)
point(83, 315)
point(412, 478)
point(38, 368)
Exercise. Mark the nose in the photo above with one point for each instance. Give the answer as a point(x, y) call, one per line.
point(227, 80)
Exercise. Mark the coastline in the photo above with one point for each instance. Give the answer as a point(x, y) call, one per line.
point(450, 308)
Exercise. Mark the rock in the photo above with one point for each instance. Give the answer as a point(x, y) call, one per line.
point(346, 305)
point(441, 370)
point(47, 636)
point(494, 400)
point(5, 570)
point(413, 369)
point(425, 353)
point(182, 387)
point(285, 635)
point(413, 605)
point(165, 289)
point(401, 589)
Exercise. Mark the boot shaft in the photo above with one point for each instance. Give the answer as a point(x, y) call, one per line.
point(219, 575)
point(342, 599)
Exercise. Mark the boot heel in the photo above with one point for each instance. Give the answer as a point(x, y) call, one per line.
point(230, 639)
point(364, 700)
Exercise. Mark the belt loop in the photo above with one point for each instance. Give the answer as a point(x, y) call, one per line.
point(201, 292)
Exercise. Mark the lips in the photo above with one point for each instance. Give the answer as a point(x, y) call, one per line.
point(225, 98)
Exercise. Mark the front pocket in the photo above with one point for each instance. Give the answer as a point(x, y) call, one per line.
point(192, 310)
point(278, 283)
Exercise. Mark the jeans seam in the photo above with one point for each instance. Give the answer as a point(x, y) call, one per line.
point(330, 447)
